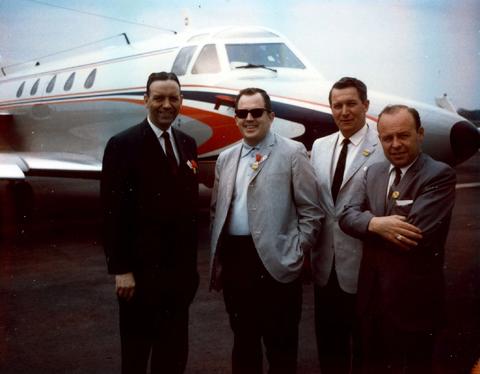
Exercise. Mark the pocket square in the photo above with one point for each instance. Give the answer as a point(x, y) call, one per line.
point(403, 202)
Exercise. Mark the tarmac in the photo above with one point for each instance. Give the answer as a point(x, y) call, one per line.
point(58, 312)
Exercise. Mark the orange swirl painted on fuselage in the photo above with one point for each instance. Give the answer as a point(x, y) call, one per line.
point(224, 129)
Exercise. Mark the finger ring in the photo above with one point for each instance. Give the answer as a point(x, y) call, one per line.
point(399, 237)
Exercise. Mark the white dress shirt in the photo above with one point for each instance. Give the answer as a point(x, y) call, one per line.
point(353, 148)
point(391, 175)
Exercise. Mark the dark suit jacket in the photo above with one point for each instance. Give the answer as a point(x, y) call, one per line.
point(405, 286)
point(150, 215)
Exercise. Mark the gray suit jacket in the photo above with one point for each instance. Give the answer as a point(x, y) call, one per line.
point(283, 213)
point(333, 243)
point(407, 286)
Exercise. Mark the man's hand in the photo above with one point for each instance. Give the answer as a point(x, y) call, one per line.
point(396, 230)
point(125, 285)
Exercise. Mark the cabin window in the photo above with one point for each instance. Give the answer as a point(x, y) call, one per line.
point(20, 89)
point(34, 88)
point(90, 79)
point(207, 61)
point(275, 55)
point(69, 83)
point(183, 59)
point(51, 84)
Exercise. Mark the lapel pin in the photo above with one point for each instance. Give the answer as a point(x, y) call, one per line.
point(258, 160)
point(192, 164)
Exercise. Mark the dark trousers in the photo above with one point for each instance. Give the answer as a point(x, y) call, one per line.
point(259, 308)
point(335, 328)
point(387, 349)
point(155, 331)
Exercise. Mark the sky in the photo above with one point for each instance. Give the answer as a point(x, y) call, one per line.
point(417, 49)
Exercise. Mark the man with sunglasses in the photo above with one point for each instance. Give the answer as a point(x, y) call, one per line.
point(265, 217)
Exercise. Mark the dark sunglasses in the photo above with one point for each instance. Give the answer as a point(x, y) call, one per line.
point(257, 112)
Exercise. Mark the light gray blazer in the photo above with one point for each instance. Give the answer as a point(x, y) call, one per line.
point(333, 242)
point(283, 213)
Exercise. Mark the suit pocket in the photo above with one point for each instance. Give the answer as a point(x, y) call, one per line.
point(402, 210)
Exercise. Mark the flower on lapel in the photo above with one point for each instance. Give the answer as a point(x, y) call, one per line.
point(366, 152)
point(258, 160)
point(192, 164)
point(395, 194)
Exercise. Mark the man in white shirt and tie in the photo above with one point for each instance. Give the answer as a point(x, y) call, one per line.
point(340, 161)
point(149, 191)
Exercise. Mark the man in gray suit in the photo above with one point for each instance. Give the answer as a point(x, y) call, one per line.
point(402, 213)
point(265, 217)
point(340, 161)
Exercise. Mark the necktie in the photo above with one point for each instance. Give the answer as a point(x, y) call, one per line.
point(396, 181)
point(339, 170)
point(170, 154)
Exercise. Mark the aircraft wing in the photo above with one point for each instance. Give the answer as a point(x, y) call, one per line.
point(16, 166)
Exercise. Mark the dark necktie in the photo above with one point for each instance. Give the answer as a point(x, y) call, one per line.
point(170, 154)
point(396, 181)
point(339, 170)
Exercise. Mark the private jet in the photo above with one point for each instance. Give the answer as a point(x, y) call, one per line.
point(56, 114)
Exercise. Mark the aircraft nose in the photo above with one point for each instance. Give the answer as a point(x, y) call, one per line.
point(465, 140)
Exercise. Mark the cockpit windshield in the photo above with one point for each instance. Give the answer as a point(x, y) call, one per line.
point(275, 55)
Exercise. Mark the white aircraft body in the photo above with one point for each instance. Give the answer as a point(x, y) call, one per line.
point(56, 116)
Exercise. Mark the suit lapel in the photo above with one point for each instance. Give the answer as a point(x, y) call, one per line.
point(184, 154)
point(380, 194)
point(231, 166)
point(367, 148)
point(266, 152)
point(152, 149)
point(412, 171)
point(406, 180)
point(330, 150)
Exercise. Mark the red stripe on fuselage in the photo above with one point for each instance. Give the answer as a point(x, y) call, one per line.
point(224, 129)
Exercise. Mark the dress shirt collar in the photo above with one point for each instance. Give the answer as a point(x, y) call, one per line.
point(404, 169)
point(246, 149)
point(355, 139)
point(158, 132)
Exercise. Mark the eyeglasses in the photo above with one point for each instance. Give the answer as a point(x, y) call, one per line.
point(257, 112)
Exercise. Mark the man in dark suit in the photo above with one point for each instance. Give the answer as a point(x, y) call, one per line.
point(149, 190)
point(402, 213)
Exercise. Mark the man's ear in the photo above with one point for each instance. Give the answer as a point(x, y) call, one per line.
point(421, 133)
point(366, 104)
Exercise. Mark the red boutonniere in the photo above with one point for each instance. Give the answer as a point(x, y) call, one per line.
point(258, 159)
point(192, 164)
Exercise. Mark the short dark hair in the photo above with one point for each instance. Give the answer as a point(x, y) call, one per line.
point(392, 109)
point(162, 76)
point(346, 82)
point(250, 91)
